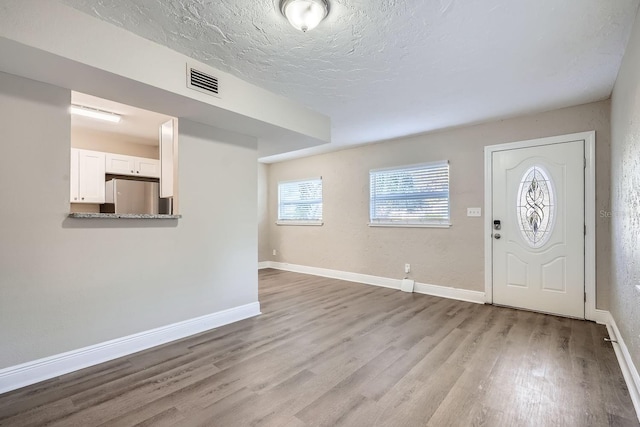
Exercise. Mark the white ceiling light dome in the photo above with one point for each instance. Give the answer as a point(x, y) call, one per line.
point(304, 15)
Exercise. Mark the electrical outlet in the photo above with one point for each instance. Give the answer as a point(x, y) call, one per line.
point(407, 268)
point(474, 211)
point(275, 252)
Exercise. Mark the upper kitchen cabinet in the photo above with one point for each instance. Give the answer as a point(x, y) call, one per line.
point(87, 176)
point(135, 144)
point(119, 164)
point(168, 158)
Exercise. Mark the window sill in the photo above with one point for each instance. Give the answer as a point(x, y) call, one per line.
point(391, 224)
point(313, 223)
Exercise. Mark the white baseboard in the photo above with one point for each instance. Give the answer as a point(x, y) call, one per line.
point(627, 367)
point(449, 292)
point(18, 376)
point(385, 282)
point(337, 274)
point(264, 264)
point(601, 317)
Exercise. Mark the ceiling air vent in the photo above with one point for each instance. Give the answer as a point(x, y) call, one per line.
point(201, 82)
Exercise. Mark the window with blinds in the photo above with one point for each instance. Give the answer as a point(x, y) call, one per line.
point(300, 201)
point(410, 195)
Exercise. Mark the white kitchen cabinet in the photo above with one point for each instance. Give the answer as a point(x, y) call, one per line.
point(119, 164)
point(87, 176)
point(167, 158)
point(147, 167)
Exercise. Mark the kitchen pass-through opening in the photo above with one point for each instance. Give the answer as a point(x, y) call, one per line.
point(123, 158)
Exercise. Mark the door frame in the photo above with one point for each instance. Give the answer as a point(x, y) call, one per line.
point(590, 312)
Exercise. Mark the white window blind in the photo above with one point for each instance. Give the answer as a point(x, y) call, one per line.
point(300, 201)
point(410, 195)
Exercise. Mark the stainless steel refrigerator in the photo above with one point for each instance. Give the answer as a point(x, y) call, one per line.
point(128, 196)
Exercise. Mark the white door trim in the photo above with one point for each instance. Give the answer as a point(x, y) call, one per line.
point(589, 211)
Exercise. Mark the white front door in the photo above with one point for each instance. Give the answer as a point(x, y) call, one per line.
point(538, 228)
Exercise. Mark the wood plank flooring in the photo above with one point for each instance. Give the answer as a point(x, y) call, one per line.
point(330, 353)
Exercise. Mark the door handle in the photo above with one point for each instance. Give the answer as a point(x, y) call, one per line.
point(496, 236)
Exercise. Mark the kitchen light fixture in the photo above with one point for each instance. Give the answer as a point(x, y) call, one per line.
point(304, 15)
point(81, 110)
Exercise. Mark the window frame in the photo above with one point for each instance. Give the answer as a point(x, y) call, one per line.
point(407, 222)
point(303, 222)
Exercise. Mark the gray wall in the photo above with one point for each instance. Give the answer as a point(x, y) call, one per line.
point(448, 257)
point(625, 197)
point(264, 248)
point(68, 283)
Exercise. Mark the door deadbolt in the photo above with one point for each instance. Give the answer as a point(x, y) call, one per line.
point(497, 225)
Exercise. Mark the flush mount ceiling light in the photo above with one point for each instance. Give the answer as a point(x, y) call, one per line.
point(81, 110)
point(304, 15)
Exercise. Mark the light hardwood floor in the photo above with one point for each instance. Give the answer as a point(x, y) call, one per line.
point(328, 353)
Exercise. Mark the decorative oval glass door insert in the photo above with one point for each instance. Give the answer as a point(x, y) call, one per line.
point(536, 206)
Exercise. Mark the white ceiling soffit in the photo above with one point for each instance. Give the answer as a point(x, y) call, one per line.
point(391, 68)
point(59, 45)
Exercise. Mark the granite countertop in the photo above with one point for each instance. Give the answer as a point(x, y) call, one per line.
point(122, 216)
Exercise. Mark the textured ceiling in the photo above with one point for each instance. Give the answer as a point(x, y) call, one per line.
point(391, 68)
